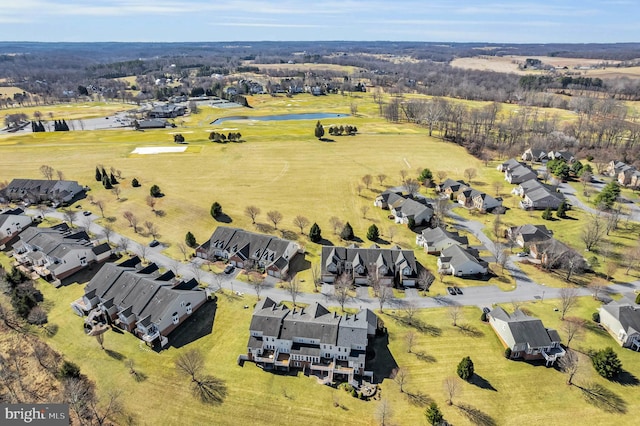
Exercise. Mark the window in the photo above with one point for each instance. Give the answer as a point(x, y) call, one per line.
point(175, 318)
point(189, 310)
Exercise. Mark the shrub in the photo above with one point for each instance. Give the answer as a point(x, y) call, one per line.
point(69, 370)
point(638, 298)
point(411, 223)
point(154, 191)
point(547, 215)
point(595, 317)
point(433, 414)
point(507, 353)
point(483, 317)
point(135, 183)
point(606, 363)
point(216, 209)
point(465, 368)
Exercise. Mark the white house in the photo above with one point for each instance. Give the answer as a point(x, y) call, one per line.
point(437, 239)
point(461, 262)
point(622, 320)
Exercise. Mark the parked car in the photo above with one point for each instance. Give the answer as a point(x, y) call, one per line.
point(451, 291)
point(229, 269)
point(523, 254)
point(154, 243)
point(457, 290)
point(86, 213)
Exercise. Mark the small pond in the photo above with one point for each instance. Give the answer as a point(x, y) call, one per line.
point(282, 117)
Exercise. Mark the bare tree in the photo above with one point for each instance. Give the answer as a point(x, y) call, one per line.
point(301, 222)
point(384, 294)
point(100, 204)
point(217, 282)
point(151, 202)
point(367, 180)
point(425, 278)
point(182, 247)
point(342, 289)
point(592, 232)
point(441, 209)
point(275, 217)
point(116, 191)
point(442, 175)
point(122, 244)
point(585, 179)
point(152, 228)
point(197, 272)
point(597, 286)
point(60, 174)
point(573, 328)
point(79, 393)
point(70, 216)
point(455, 313)
point(612, 219)
point(100, 339)
point(452, 388)
point(410, 340)
point(391, 232)
point(401, 377)
point(403, 174)
point(568, 299)
point(252, 212)
point(410, 310)
point(258, 285)
point(190, 363)
point(294, 289)
point(130, 217)
point(359, 189)
point(364, 209)
point(107, 232)
point(497, 187)
point(411, 186)
point(381, 178)
point(143, 250)
point(570, 364)
point(47, 171)
point(384, 412)
point(470, 173)
point(336, 224)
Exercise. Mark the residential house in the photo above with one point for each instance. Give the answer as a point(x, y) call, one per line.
point(564, 154)
point(553, 253)
point(621, 318)
point(58, 252)
point(434, 240)
point(541, 199)
point(166, 111)
point(530, 185)
point(526, 336)
point(33, 191)
point(465, 196)
point(484, 202)
point(12, 222)
point(625, 174)
point(461, 262)
point(509, 164)
point(387, 198)
point(330, 346)
point(634, 181)
point(409, 209)
point(519, 174)
point(534, 154)
point(615, 167)
point(244, 249)
point(450, 187)
point(527, 234)
point(391, 267)
point(140, 300)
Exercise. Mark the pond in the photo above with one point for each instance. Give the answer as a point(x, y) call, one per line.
point(282, 117)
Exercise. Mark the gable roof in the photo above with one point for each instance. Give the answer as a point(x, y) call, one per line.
point(531, 232)
point(435, 235)
point(522, 328)
point(374, 257)
point(457, 255)
point(314, 322)
point(628, 313)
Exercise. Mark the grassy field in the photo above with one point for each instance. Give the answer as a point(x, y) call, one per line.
point(503, 392)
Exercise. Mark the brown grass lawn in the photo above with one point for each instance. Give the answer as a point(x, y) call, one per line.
point(504, 391)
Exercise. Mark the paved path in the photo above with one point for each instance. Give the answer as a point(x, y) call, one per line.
point(525, 289)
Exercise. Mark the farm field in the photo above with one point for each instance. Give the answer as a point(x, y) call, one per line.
point(501, 392)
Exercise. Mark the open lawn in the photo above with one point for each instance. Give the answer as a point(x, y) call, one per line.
point(503, 392)
point(68, 111)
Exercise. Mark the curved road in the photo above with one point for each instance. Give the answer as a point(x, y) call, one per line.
point(526, 289)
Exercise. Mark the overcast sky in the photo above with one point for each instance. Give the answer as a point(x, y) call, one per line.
point(515, 21)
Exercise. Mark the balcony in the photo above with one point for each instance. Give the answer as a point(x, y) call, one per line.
point(150, 337)
point(552, 354)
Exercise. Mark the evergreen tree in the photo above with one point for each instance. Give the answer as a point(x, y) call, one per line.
point(411, 223)
point(64, 126)
point(608, 195)
point(155, 191)
point(190, 240)
point(315, 233)
point(216, 209)
point(319, 132)
point(98, 175)
point(546, 214)
point(606, 363)
point(433, 414)
point(424, 175)
point(562, 210)
point(135, 183)
point(465, 368)
point(113, 179)
point(347, 232)
point(372, 233)
point(107, 182)
point(41, 127)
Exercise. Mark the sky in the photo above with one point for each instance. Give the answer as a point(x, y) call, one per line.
point(505, 21)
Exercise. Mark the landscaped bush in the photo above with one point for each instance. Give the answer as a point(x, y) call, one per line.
point(315, 233)
point(483, 317)
point(595, 317)
point(606, 363)
point(155, 191)
point(135, 183)
point(507, 353)
point(69, 370)
point(465, 368)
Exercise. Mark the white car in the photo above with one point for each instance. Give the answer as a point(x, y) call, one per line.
point(523, 254)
